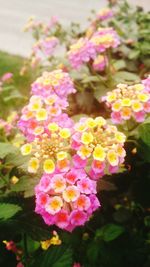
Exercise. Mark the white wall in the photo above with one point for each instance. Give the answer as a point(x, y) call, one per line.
point(14, 14)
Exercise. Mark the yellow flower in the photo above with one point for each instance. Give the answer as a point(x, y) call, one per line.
point(143, 97)
point(112, 158)
point(33, 165)
point(61, 155)
point(55, 205)
point(80, 127)
point(41, 114)
point(100, 121)
point(99, 153)
point(38, 130)
point(45, 244)
point(91, 123)
point(49, 166)
point(116, 106)
point(120, 137)
point(87, 138)
point(35, 106)
point(84, 152)
point(53, 127)
point(136, 106)
point(26, 149)
point(111, 97)
point(65, 133)
point(126, 102)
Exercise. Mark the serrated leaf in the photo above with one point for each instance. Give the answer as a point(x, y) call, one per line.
point(8, 210)
point(6, 149)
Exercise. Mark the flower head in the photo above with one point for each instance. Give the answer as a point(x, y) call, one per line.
point(99, 145)
point(81, 52)
point(48, 150)
point(66, 199)
point(105, 38)
point(128, 102)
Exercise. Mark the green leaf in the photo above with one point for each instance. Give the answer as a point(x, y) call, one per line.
point(122, 76)
point(100, 91)
point(8, 210)
point(144, 133)
point(25, 184)
point(119, 64)
point(134, 54)
point(6, 149)
point(58, 256)
point(109, 232)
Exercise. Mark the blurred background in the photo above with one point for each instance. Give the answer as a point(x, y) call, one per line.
point(14, 14)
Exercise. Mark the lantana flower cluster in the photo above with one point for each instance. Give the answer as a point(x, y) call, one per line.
point(81, 52)
point(48, 100)
point(98, 145)
point(69, 156)
point(46, 46)
point(105, 38)
point(86, 49)
point(66, 199)
point(129, 101)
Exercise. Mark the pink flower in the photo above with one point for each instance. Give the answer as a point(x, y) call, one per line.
point(81, 52)
point(66, 199)
point(105, 38)
point(46, 45)
point(99, 63)
point(129, 102)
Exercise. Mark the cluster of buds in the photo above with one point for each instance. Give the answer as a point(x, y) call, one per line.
point(66, 199)
point(104, 14)
point(48, 100)
point(100, 63)
point(86, 49)
point(98, 145)
point(129, 102)
point(45, 46)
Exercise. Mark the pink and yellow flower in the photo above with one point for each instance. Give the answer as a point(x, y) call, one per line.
point(99, 145)
point(64, 201)
point(128, 102)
